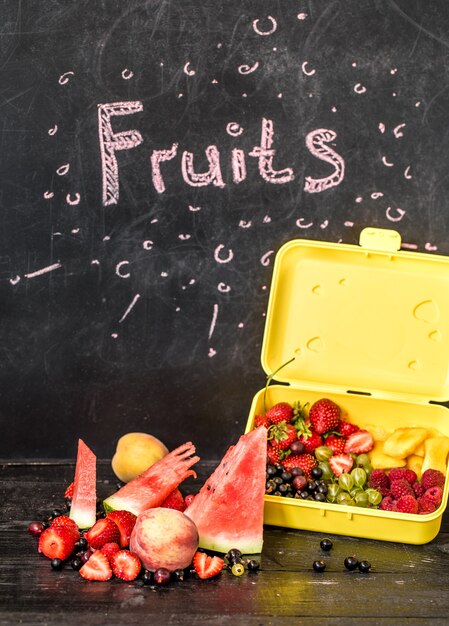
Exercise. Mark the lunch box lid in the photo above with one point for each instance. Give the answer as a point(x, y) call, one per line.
point(370, 318)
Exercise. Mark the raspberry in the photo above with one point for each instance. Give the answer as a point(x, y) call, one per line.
point(432, 478)
point(425, 506)
point(407, 504)
point(401, 488)
point(434, 495)
point(396, 473)
point(419, 489)
point(379, 480)
point(388, 504)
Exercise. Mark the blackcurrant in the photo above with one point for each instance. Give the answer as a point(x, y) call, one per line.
point(253, 565)
point(161, 576)
point(326, 544)
point(317, 472)
point(364, 566)
point(350, 562)
point(178, 574)
point(36, 528)
point(56, 564)
point(319, 566)
point(147, 577)
point(76, 563)
point(233, 556)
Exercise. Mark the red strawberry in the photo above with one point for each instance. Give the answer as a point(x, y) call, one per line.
point(324, 415)
point(125, 521)
point(380, 481)
point(174, 500)
point(105, 530)
point(418, 489)
point(434, 495)
point(274, 454)
point(311, 442)
point(402, 472)
point(97, 567)
point(261, 420)
point(125, 565)
point(401, 487)
point(335, 443)
point(360, 442)
point(207, 566)
point(57, 542)
point(306, 462)
point(282, 435)
point(407, 504)
point(345, 428)
point(63, 521)
point(69, 491)
point(110, 549)
point(279, 412)
point(425, 506)
point(432, 478)
point(189, 499)
point(341, 463)
point(388, 504)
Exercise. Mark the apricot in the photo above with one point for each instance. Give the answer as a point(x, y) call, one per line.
point(164, 538)
point(136, 452)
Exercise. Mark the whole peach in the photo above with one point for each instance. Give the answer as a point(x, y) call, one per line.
point(164, 538)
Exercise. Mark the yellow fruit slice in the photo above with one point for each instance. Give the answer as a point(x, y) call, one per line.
point(414, 462)
point(436, 452)
point(380, 460)
point(404, 441)
point(135, 453)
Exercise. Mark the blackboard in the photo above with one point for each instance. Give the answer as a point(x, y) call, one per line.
point(154, 156)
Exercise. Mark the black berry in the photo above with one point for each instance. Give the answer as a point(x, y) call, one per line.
point(147, 577)
point(234, 556)
point(326, 544)
point(319, 566)
point(364, 566)
point(178, 574)
point(350, 562)
point(56, 564)
point(253, 565)
point(76, 563)
point(317, 472)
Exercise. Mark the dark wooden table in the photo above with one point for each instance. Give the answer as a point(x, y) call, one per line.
point(407, 585)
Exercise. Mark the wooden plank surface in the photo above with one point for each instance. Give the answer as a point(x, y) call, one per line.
point(407, 584)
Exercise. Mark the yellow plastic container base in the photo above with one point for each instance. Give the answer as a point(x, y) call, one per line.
point(368, 327)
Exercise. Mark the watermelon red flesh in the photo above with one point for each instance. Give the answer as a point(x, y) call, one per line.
point(228, 510)
point(151, 488)
point(84, 500)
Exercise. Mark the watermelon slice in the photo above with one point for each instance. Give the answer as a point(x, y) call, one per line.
point(228, 510)
point(84, 500)
point(154, 485)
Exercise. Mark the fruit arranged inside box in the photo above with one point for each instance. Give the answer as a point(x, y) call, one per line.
point(316, 454)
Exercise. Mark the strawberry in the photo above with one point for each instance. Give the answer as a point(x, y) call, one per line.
point(125, 565)
point(174, 500)
point(311, 442)
point(63, 521)
point(207, 566)
point(189, 499)
point(402, 472)
point(407, 504)
point(380, 481)
point(434, 495)
point(261, 420)
point(341, 463)
point(109, 549)
point(57, 542)
point(401, 487)
point(97, 567)
point(282, 411)
point(125, 521)
point(324, 415)
point(282, 434)
point(432, 478)
point(425, 506)
point(69, 491)
point(105, 530)
point(335, 443)
point(306, 462)
point(346, 428)
point(275, 455)
point(359, 442)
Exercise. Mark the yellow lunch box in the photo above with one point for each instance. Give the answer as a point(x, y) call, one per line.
point(368, 327)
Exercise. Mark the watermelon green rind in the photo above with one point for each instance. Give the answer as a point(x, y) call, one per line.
point(228, 509)
point(152, 487)
point(83, 509)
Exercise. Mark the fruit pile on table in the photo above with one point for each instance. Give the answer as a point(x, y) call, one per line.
point(314, 454)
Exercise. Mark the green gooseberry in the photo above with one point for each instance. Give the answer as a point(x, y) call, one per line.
point(361, 499)
point(323, 453)
point(359, 476)
point(344, 498)
point(346, 481)
point(333, 490)
point(363, 459)
point(327, 474)
point(374, 497)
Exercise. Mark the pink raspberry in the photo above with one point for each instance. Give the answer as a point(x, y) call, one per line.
point(396, 473)
point(379, 480)
point(407, 504)
point(401, 487)
point(432, 478)
point(434, 495)
point(388, 504)
point(419, 489)
point(425, 506)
